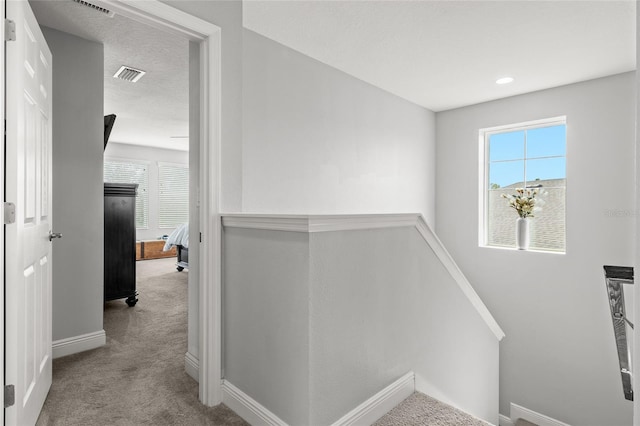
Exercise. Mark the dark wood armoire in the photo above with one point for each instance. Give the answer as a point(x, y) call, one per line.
point(120, 242)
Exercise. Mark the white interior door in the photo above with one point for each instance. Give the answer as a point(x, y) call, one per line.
point(28, 186)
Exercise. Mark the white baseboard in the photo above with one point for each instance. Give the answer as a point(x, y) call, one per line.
point(381, 403)
point(364, 414)
point(192, 366)
point(248, 408)
point(77, 344)
point(518, 412)
point(505, 421)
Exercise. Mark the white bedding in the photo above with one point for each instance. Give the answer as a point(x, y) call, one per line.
point(179, 237)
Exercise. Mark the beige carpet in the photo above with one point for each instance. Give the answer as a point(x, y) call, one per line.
point(522, 422)
point(138, 378)
point(420, 409)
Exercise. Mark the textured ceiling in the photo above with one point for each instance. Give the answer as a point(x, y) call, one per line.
point(151, 111)
point(447, 54)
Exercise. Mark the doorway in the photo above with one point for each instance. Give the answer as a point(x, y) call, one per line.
point(207, 37)
point(205, 152)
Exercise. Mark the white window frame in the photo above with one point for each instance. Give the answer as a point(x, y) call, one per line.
point(148, 166)
point(483, 180)
point(176, 165)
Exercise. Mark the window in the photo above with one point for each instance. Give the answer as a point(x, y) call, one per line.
point(173, 185)
point(530, 155)
point(130, 172)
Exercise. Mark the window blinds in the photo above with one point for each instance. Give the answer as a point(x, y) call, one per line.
point(173, 185)
point(128, 172)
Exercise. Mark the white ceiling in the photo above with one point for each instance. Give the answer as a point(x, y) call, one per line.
point(447, 54)
point(152, 111)
point(438, 54)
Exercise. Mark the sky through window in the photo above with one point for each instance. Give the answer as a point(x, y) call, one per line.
point(527, 155)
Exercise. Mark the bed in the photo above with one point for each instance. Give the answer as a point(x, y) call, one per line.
point(180, 239)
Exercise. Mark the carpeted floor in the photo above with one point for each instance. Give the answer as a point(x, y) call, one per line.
point(420, 409)
point(138, 378)
point(522, 422)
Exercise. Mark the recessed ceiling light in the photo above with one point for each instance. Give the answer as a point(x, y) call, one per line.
point(504, 80)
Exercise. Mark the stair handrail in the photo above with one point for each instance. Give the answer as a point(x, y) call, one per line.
point(454, 270)
point(311, 223)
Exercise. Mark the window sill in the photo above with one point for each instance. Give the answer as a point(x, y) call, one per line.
point(524, 251)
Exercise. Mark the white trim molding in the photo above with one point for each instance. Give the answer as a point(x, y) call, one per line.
point(191, 366)
point(165, 17)
point(210, 254)
point(505, 421)
point(330, 223)
point(381, 403)
point(2, 183)
point(248, 408)
point(77, 344)
point(160, 16)
point(438, 248)
point(519, 412)
point(318, 223)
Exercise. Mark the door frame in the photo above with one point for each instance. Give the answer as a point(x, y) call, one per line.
point(2, 104)
point(208, 35)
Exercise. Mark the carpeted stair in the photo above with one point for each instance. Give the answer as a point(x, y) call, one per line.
point(522, 422)
point(420, 409)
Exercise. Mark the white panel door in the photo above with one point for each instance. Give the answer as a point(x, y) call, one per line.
point(28, 186)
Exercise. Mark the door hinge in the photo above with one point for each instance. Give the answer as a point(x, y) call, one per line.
point(9, 396)
point(201, 237)
point(9, 213)
point(9, 30)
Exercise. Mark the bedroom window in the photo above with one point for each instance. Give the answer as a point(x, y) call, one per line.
point(530, 156)
point(173, 182)
point(131, 172)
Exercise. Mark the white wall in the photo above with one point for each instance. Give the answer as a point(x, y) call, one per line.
point(559, 357)
point(150, 156)
point(228, 16)
point(194, 205)
point(317, 140)
point(266, 319)
point(382, 304)
point(315, 324)
point(78, 213)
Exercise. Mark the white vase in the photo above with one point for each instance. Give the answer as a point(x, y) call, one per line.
point(522, 233)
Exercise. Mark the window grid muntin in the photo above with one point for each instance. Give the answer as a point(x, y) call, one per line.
point(486, 163)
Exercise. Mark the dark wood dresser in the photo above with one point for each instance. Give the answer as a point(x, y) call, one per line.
point(120, 242)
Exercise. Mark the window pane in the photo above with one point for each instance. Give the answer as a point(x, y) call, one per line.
point(546, 170)
point(546, 141)
point(506, 173)
point(541, 162)
point(547, 227)
point(174, 196)
point(502, 220)
point(506, 146)
point(125, 172)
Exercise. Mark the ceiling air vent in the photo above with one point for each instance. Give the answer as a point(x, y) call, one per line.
point(129, 74)
point(107, 12)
